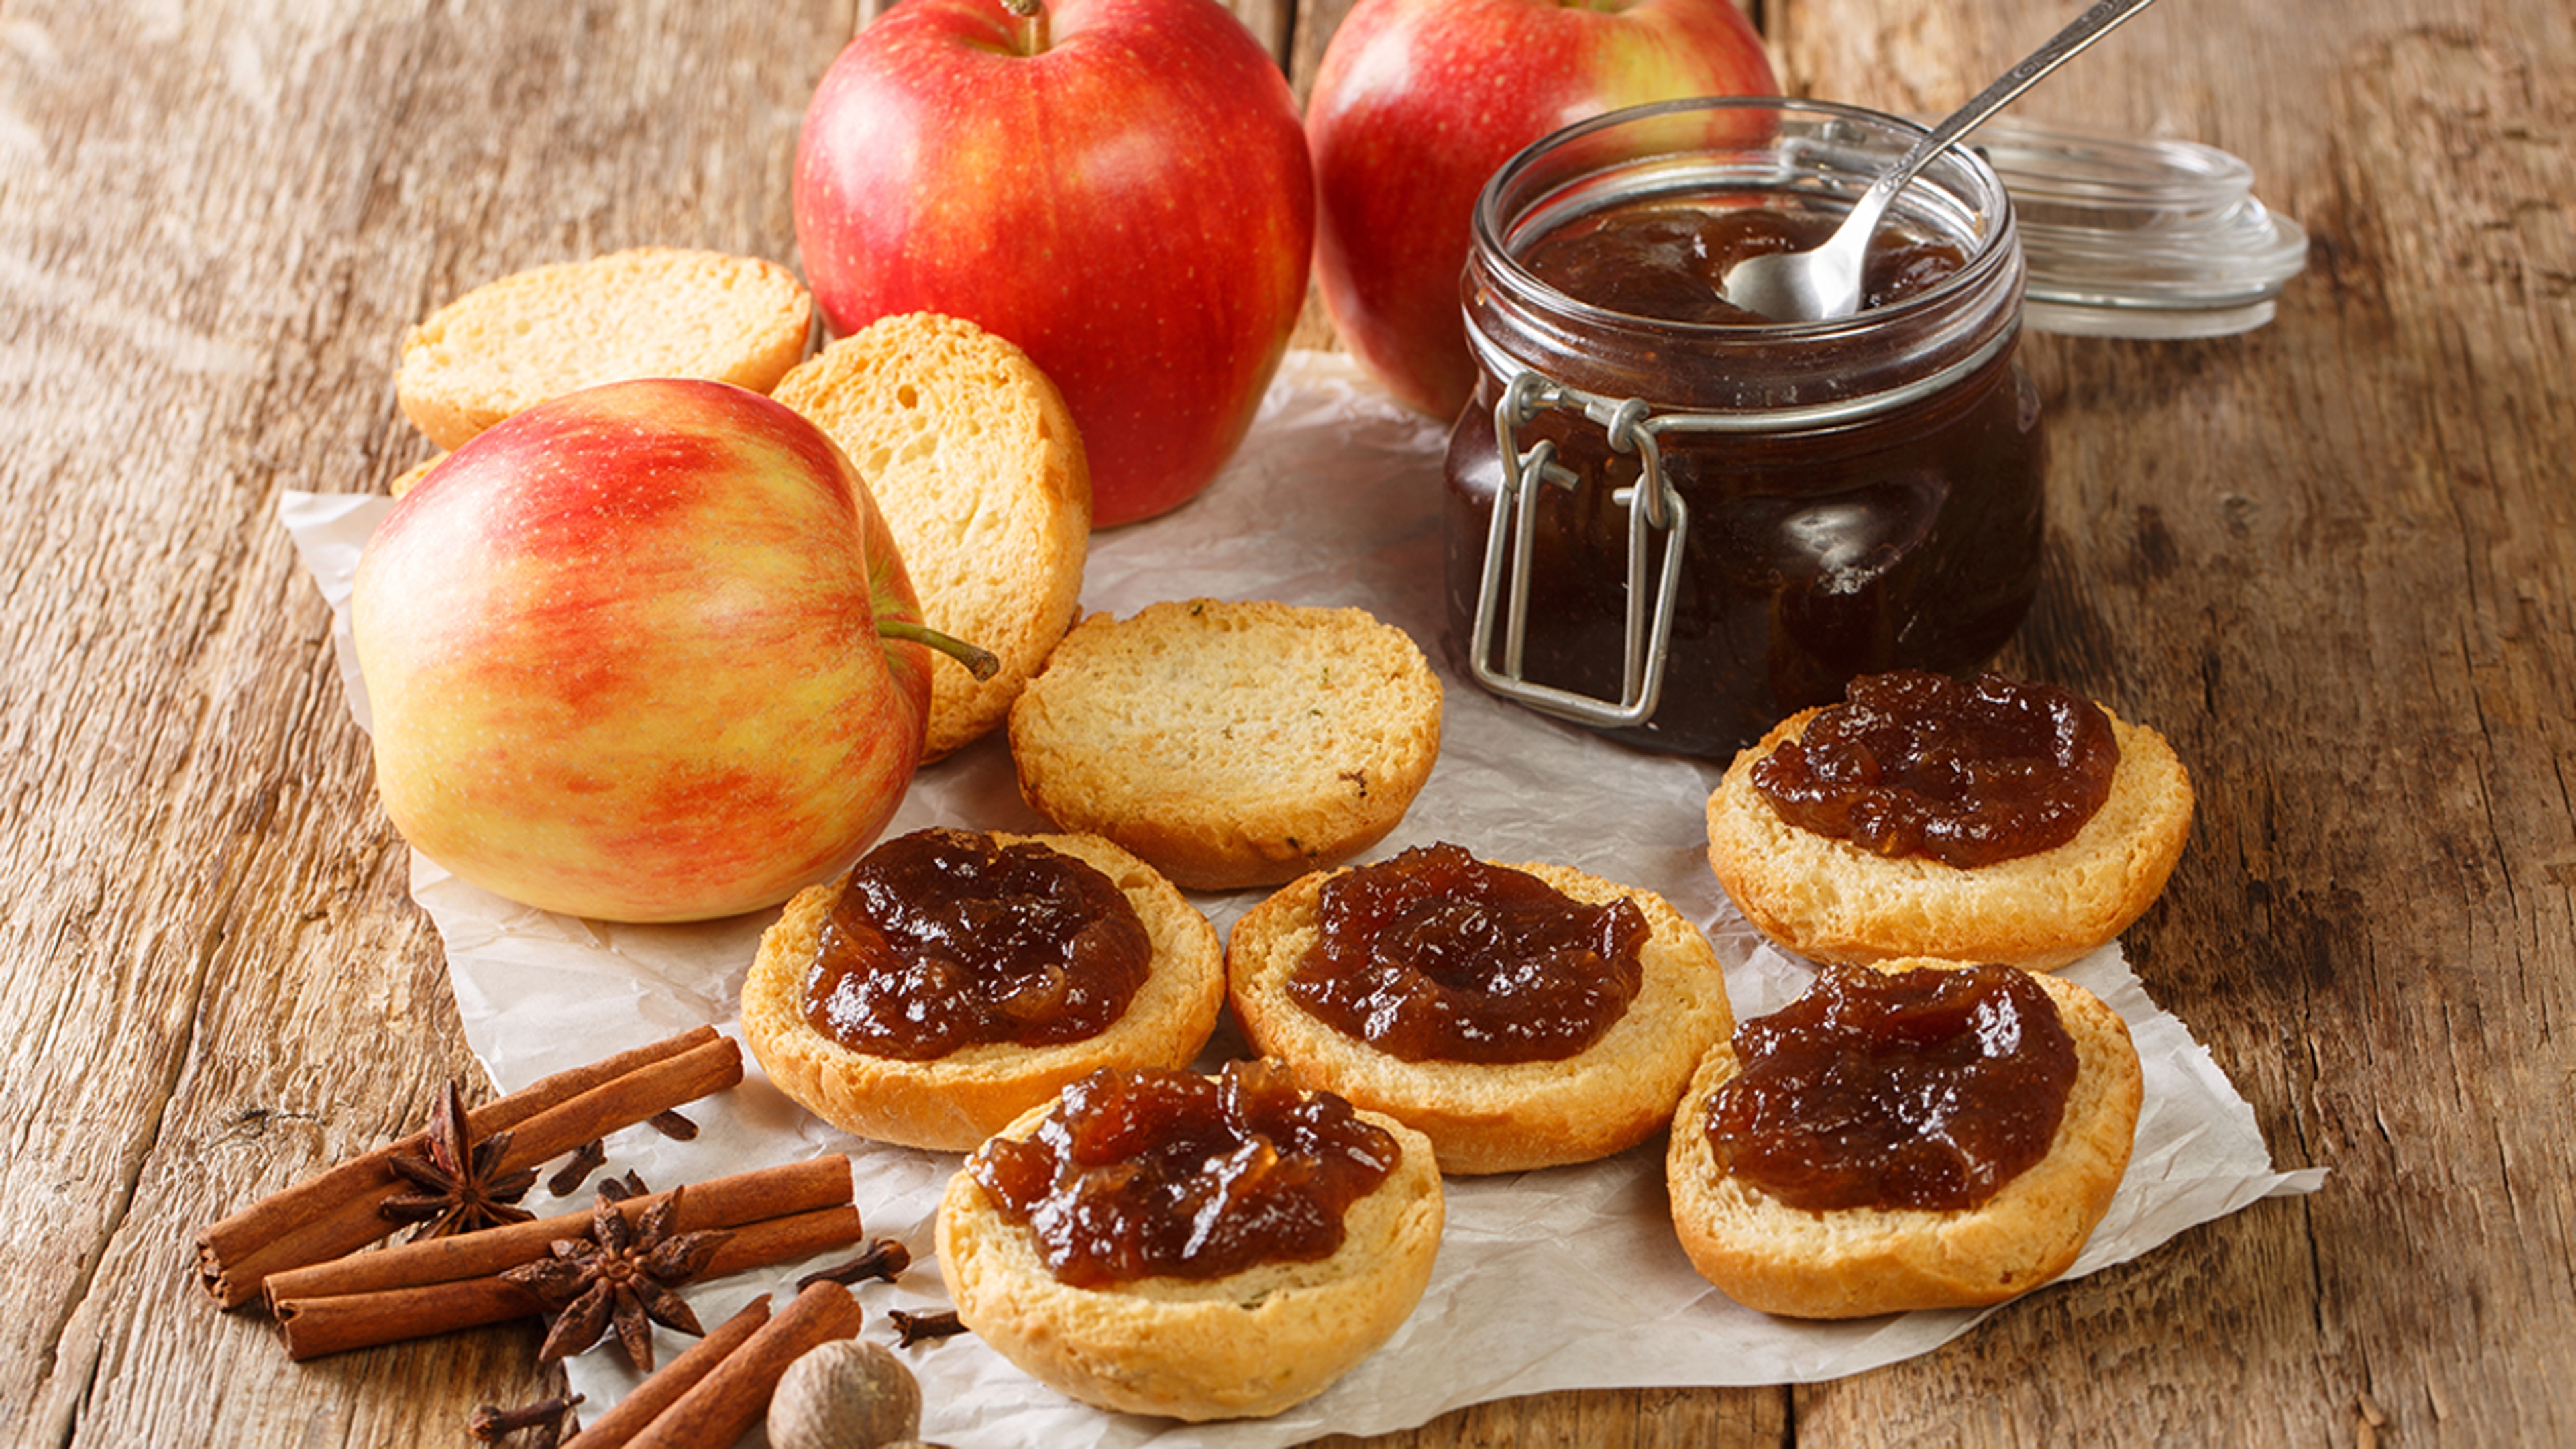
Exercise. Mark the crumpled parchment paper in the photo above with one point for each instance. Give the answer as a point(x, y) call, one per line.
point(1567, 1278)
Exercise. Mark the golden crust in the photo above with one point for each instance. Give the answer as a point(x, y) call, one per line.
point(1231, 744)
point(1244, 1346)
point(1507, 1117)
point(954, 1102)
point(975, 462)
point(410, 477)
point(1853, 1263)
point(1830, 900)
point(645, 312)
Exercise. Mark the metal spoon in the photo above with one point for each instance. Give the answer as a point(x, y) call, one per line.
point(1813, 286)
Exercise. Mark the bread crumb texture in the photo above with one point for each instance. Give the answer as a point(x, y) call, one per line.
point(647, 312)
point(973, 459)
point(1248, 1345)
point(1230, 744)
point(1831, 900)
point(952, 1103)
point(1498, 1117)
point(1859, 1262)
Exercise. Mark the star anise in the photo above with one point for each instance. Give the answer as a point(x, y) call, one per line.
point(621, 1276)
point(461, 1187)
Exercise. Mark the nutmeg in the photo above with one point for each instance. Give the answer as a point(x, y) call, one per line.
point(846, 1394)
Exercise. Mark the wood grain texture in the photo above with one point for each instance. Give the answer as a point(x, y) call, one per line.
point(214, 223)
point(2334, 560)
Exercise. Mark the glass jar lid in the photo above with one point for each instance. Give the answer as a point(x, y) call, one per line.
point(2140, 238)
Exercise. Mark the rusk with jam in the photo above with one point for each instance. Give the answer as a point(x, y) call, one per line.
point(1831, 900)
point(1863, 1261)
point(1497, 1117)
point(951, 1103)
point(1250, 1344)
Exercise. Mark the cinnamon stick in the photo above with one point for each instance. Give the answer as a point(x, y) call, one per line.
point(627, 1417)
point(719, 1202)
point(723, 1406)
point(318, 1327)
point(337, 1211)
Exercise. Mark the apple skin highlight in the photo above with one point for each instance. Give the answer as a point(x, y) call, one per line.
point(623, 658)
point(1130, 203)
point(1419, 101)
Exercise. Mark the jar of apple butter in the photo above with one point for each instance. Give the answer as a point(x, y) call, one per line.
point(1679, 522)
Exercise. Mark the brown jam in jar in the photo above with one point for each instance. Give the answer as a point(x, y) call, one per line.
point(944, 939)
point(1436, 955)
point(1855, 496)
point(1137, 1174)
point(1966, 774)
point(1668, 260)
point(1920, 1089)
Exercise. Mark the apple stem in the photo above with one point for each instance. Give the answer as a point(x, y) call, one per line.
point(1033, 24)
point(982, 663)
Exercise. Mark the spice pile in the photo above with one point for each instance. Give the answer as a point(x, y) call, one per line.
point(477, 1256)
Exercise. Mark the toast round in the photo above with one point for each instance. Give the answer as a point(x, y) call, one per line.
point(410, 477)
point(953, 1102)
point(646, 312)
point(1497, 1117)
point(1856, 1262)
point(979, 471)
point(1247, 1345)
point(1230, 744)
point(1831, 900)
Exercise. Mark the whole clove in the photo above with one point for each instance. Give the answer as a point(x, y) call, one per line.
point(884, 1259)
point(619, 1189)
point(913, 1328)
point(586, 1159)
point(491, 1423)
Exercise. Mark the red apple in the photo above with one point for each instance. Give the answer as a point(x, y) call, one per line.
point(625, 654)
point(1419, 101)
point(1118, 186)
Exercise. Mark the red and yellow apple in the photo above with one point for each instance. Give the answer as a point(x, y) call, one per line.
point(627, 656)
point(1418, 102)
point(1118, 186)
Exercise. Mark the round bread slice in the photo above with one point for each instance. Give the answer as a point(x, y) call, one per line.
point(1230, 744)
point(410, 477)
point(979, 471)
point(953, 1102)
point(1857, 1262)
point(1497, 1117)
point(1247, 1345)
point(1830, 900)
point(648, 312)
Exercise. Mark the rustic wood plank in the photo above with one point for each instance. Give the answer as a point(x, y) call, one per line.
point(2335, 560)
point(2332, 560)
point(1272, 22)
point(216, 222)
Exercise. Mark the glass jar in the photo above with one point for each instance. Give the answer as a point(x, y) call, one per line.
point(1707, 526)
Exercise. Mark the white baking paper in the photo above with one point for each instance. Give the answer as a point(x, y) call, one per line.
point(1567, 1278)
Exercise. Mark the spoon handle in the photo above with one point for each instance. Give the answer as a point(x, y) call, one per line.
point(2086, 28)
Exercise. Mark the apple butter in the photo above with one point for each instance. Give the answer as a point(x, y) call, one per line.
point(1707, 521)
point(1668, 260)
point(1966, 774)
point(1917, 1089)
point(1438, 955)
point(944, 939)
point(1136, 1174)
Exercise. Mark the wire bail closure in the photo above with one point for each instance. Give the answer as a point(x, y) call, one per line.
point(1653, 507)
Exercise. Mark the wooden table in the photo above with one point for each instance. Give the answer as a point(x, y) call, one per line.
point(2334, 560)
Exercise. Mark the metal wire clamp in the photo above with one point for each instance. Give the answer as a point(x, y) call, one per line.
point(1653, 507)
